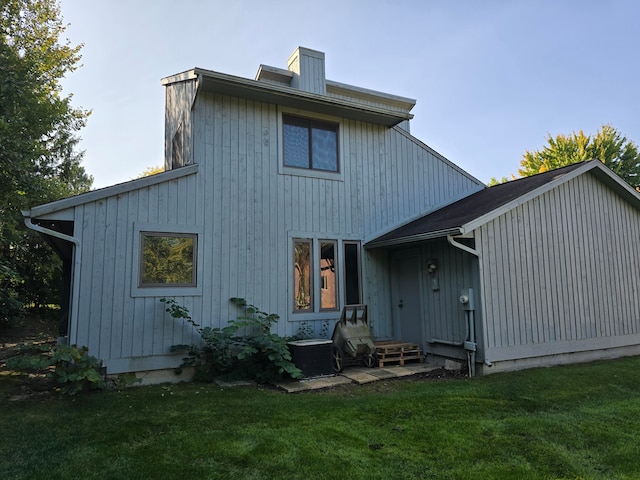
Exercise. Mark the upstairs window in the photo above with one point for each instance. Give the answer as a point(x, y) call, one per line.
point(310, 144)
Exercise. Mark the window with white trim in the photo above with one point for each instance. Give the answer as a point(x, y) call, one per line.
point(326, 274)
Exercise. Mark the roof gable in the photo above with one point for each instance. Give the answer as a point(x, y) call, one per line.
point(479, 208)
point(118, 189)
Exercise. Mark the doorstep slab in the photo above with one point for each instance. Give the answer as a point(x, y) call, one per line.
point(383, 373)
point(313, 383)
point(359, 376)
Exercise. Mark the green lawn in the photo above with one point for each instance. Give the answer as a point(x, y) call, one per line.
point(568, 422)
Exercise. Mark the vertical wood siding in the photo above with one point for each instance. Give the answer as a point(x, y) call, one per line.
point(178, 98)
point(560, 272)
point(245, 210)
point(443, 316)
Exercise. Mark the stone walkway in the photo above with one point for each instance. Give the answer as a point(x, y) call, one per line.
point(358, 375)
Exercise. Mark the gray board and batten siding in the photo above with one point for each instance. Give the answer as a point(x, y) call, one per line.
point(234, 193)
point(557, 266)
point(255, 207)
point(566, 280)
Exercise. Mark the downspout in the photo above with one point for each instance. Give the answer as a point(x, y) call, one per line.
point(75, 289)
point(474, 252)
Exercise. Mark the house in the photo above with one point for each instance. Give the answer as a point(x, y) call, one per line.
point(550, 263)
point(303, 195)
point(272, 187)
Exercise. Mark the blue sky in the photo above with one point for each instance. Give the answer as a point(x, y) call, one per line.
point(491, 78)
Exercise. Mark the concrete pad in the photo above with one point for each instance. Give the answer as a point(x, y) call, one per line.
point(328, 382)
point(360, 377)
point(382, 373)
point(313, 383)
point(403, 372)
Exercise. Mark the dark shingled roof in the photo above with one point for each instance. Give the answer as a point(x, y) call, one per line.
point(474, 206)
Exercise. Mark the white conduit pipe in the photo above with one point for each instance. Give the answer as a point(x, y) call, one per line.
point(75, 289)
point(474, 252)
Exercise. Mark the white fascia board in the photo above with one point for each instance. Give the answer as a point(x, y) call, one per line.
point(295, 98)
point(180, 77)
point(397, 101)
point(563, 178)
point(421, 237)
point(274, 73)
point(614, 181)
point(118, 189)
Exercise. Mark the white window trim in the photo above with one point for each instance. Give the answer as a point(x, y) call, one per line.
point(169, 290)
point(309, 172)
point(316, 238)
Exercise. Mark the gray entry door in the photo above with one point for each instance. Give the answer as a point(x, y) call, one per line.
point(406, 285)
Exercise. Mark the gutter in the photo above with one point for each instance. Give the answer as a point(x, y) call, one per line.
point(413, 238)
point(75, 272)
point(470, 250)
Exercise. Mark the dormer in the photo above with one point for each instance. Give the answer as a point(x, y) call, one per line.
point(305, 71)
point(302, 86)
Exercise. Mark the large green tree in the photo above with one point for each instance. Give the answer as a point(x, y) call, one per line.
point(39, 161)
point(607, 145)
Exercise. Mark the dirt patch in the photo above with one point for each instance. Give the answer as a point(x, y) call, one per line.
point(32, 329)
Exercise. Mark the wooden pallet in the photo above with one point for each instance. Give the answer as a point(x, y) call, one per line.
point(397, 353)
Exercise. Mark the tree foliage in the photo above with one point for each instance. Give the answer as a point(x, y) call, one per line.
point(147, 172)
point(607, 145)
point(38, 157)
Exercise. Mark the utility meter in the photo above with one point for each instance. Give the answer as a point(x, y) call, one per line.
point(466, 299)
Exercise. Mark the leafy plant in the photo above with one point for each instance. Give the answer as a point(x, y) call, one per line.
point(244, 349)
point(72, 368)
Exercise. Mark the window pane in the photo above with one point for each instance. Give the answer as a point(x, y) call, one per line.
point(324, 148)
point(296, 145)
point(302, 275)
point(328, 296)
point(352, 273)
point(168, 260)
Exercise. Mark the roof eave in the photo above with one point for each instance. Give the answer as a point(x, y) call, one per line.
point(294, 98)
point(113, 190)
point(392, 242)
point(495, 213)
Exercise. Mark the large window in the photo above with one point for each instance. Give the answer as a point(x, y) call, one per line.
point(328, 291)
point(302, 260)
point(352, 291)
point(167, 259)
point(317, 266)
point(310, 144)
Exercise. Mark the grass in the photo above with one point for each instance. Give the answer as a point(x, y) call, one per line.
point(576, 422)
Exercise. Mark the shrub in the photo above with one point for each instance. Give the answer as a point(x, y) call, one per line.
point(10, 305)
point(72, 368)
point(245, 349)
